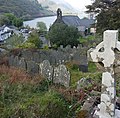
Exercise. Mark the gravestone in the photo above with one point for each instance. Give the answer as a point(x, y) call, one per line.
point(27, 54)
point(11, 59)
point(104, 54)
point(61, 76)
point(16, 61)
point(36, 57)
point(46, 69)
point(32, 67)
point(22, 64)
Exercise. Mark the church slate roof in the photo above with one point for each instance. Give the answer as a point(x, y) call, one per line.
point(71, 20)
point(75, 21)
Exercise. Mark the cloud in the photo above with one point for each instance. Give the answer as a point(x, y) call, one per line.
point(79, 4)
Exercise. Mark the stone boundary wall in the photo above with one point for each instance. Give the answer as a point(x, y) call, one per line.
point(55, 57)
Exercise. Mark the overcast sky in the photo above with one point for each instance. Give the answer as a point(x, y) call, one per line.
point(79, 3)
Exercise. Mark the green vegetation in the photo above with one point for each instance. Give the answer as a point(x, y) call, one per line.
point(17, 41)
point(33, 41)
point(22, 96)
point(10, 19)
point(108, 14)
point(76, 75)
point(61, 34)
point(42, 26)
point(86, 39)
point(90, 40)
point(25, 9)
point(92, 67)
point(14, 41)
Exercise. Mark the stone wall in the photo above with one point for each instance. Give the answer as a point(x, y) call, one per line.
point(55, 57)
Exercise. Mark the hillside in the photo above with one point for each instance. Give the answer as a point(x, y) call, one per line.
point(53, 5)
point(26, 9)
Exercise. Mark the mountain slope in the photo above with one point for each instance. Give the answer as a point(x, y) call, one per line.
point(53, 5)
point(23, 8)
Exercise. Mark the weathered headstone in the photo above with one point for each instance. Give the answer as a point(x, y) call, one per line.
point(16, 61)
point(11, 59)
point(22, 64)
point(46, 69)
point(61, 76)
point(27, 54)
point(36, 57)
point(104, 53)
point(32, 67)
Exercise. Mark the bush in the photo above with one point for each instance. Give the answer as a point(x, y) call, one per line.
point(61, 34)
point(15, 41)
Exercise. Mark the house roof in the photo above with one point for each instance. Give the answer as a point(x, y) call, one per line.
point(2, 28)
point(75, 21)
point(71, 20)
point(86, 22)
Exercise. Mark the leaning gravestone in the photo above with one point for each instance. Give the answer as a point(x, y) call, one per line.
point(46, 69)
point(104, 53)
point(61, 76)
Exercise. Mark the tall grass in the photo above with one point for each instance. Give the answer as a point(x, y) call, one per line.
point(28, 97)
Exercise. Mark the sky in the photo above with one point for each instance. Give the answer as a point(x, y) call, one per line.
point(80, 4)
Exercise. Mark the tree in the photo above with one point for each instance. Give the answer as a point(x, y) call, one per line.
point(61, 34)
point(34, 40)
point(42, 26)
point(17, 22)
point(4, 20)
point(15, 41)
point(10, 19)
point(108, 14)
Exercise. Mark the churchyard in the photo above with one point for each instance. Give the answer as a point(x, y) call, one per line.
point(69, 82)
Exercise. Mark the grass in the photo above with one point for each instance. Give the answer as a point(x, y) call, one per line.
point(24, 96)
point(27, 97)
point(76, 75)
point(86, 39)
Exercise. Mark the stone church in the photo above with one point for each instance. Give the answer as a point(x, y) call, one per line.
point(72, 20)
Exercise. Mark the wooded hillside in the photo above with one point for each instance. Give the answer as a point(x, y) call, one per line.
point(26, 9)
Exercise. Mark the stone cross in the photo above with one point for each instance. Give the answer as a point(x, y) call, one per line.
point(104, 53)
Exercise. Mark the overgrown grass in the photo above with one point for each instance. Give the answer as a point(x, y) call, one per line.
point(26, 97)
point(33, 97)
point(76, 75)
